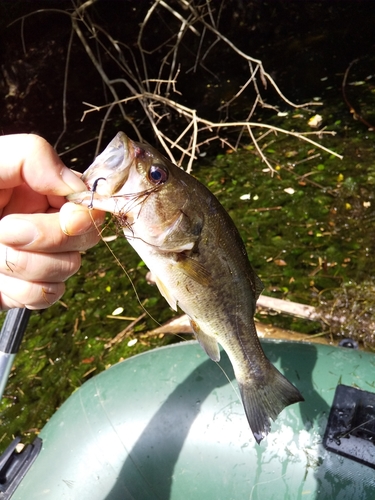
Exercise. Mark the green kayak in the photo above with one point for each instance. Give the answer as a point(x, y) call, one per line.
point(169, 424)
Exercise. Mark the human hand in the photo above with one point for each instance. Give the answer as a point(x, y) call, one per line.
point(40, 234)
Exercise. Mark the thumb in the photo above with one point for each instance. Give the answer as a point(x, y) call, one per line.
point(78, 219)
point(30, 159)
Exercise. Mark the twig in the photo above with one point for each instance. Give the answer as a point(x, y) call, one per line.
point(121, 335)
point(210, 125)
point(192, 131)
point(261, 154)
point(255, 61)
point(65, 89)
point(355, 114)
point(78, 146)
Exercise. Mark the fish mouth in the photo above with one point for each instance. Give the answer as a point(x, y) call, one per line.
point(107, 174)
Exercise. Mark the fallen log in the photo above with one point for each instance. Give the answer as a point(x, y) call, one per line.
point(279, 305)
point(287, 307)
point(348, 313)
point(181, 324)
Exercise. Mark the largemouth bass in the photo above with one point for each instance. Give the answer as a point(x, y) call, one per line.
point(199, 262)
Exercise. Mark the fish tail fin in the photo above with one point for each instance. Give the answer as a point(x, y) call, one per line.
point(265, 398)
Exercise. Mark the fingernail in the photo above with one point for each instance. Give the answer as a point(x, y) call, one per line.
point(17, 232)
point(72, 180)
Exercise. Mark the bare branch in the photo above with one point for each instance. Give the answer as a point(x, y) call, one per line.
point(181, 129)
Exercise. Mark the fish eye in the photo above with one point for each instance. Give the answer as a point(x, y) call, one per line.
point(158, 174)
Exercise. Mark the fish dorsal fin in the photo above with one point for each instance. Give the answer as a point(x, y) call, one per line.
point(194, 270)
point(208, 343)
point(166, 293)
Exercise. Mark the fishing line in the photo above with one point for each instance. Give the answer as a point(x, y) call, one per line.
point(122, 267)
point(229, 380)
point(100, 232)
point(265, 482)
point(145, 193)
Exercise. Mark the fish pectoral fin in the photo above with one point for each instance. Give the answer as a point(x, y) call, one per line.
point(193, 269)
point(166, 293)
point(208, 343)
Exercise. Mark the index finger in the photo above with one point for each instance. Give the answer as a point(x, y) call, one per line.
point(30, 159)
point(42, 233)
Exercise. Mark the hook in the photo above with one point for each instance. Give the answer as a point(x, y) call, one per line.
point(93, 189)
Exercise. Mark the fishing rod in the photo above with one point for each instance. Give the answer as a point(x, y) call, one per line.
point(14, 463)
point(10, 340)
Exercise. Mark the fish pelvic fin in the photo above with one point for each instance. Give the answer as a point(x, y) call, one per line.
point(169, 297)
point(208, 343)
point(264, 399)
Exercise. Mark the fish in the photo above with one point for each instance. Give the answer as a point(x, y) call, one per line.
point(198, 260)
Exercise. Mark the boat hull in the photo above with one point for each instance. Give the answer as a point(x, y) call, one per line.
point(169, 424)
